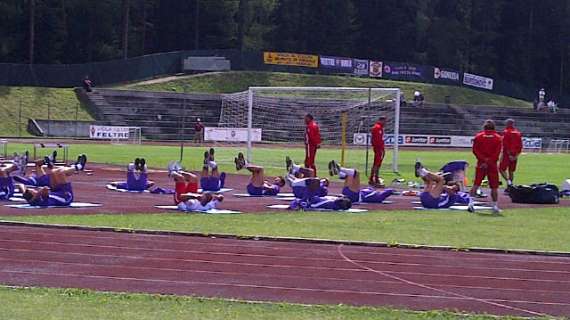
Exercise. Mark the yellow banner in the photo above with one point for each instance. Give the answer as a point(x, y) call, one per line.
point(291, 59)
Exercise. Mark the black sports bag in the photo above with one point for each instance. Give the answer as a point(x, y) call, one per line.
point(542, 193)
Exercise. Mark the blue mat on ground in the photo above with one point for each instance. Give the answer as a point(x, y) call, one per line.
point(279, 195)
point(156, 190)
point(222, 190)
point(73, 205)
point(332, 197)
point(211, 211)
point(454, 208)
point(286, 207)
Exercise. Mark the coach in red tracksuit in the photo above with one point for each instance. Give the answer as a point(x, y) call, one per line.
point(312, 142)
point(487, 147)
point(512, 148)
point(377, 137)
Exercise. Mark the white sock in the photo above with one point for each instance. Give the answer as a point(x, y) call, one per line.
point(131, 167)
point(347, 172)
point(342, 175)
point(213, 165)
point(145, 168)
point(423, 172)
point(295, 169)
point(78, 166)
point(509, 182)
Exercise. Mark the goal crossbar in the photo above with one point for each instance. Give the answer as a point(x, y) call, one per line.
point(395, 91)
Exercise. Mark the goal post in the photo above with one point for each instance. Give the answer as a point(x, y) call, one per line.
point(278, 113)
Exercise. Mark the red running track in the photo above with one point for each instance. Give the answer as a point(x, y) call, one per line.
point(501, 284)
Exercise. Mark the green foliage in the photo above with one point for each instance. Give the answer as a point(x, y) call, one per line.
point(521, 41)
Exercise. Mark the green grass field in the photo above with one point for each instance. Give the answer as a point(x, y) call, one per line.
point(544, 229)
point(533, 167)
point(33, 103)
point(47, 304)
point(236, 81)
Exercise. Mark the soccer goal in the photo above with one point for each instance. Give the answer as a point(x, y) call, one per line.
point(558, 146)
point(274, 116)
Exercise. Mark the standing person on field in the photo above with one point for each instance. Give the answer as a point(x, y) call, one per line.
point(487, 147)
point(512, 148)
point(312, 142)
point(198, 131)
point(377, 137)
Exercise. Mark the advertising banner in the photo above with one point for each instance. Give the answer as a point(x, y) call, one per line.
point(445, 75)
point(477, 81)
point(337, 63)
point(360, 67)
point(404, 71)
point(108, 132)
point(375, 69)
point(231, 134)
point(291, 59)
point(419, 140)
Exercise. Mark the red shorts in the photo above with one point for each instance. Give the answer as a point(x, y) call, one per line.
point(378, 157)
point(507, 163)
point(491, 172)
point(184, 187)
point(310, 155)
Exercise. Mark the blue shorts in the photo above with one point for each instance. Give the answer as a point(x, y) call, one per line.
point(6, 188)
point(454, 166)
point(272, 191)
point(353, 196)
point(213, 183)
point(323, 191)
point(135, 183)
point(254, 191)
point(429, 202)
point(370, 195)
point(35, 181)
point(61, 196)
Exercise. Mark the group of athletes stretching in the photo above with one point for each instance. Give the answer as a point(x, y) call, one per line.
point(48, 186)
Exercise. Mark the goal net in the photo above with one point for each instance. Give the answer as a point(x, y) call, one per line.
point(558, 146)
point(344, 115)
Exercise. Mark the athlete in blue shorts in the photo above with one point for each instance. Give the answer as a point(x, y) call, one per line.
point(211, 179)
point(437, 194)
point(352, 188)
point(323, 203)
point(39, 179)
point(7, 186)
point(137, 177)
point(258, 185)
point(60, 192)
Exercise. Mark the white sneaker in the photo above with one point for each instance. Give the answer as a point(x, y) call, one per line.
point(496, 210)
point(173, 166)
point(471, 207)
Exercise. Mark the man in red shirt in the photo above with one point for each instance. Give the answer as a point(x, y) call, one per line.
point(377, 133)
point(487, 147)
point(312, 142)
point(512, 148)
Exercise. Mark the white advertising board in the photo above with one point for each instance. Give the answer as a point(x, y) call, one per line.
point(231, 134)
point(108, 132)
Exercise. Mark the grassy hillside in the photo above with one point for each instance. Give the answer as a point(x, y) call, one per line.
point(34, 102)
point(226, 82)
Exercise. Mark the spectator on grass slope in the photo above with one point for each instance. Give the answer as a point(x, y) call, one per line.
point(418, 99)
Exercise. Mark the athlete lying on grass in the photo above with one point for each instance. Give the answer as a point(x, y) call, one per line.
point(352, 188)
point(7, 186)
point(323, 203)
point(199, 202)
point(137, 177)
point(304, 183)
point(258, 185)
point(211, 179)
point(60, 192)
point(436, 194)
